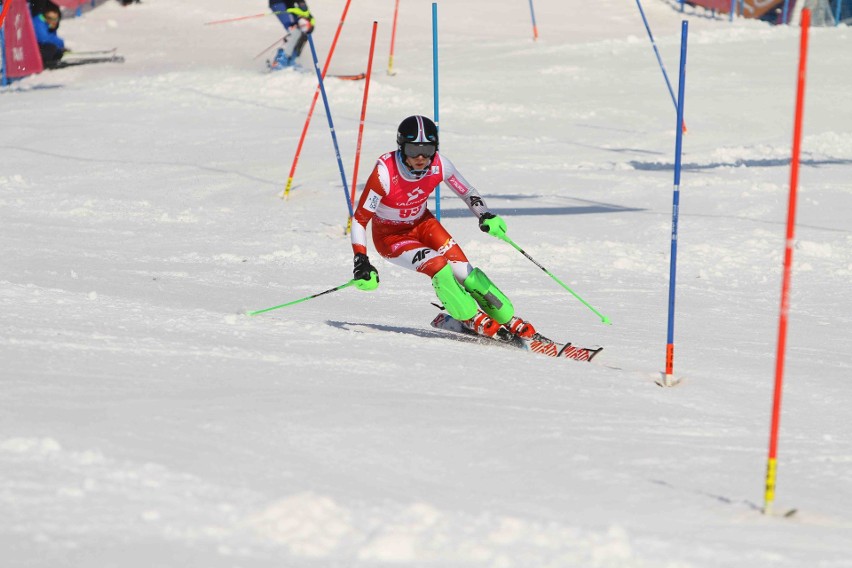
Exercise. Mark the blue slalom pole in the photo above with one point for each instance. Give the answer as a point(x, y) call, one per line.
point(3, 80)
point(785, 13)
point(676, 207)
point(535, 27)
point(330, 124)
point(435, 86)
point(837, 13)
point(733, 9)
point(657, 53)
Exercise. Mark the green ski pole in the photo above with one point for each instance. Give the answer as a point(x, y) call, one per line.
point(335, 289)
point(506, 238)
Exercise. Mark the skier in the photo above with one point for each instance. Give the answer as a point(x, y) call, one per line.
point(50, 45)
point(407, 234)
point(296, 19)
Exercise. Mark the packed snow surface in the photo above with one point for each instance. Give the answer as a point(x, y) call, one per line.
point(145, 420)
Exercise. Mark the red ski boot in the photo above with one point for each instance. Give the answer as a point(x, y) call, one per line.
point(482, 324)
point(519, 327)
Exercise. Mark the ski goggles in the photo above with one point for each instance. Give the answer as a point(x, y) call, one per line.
point(413, 150)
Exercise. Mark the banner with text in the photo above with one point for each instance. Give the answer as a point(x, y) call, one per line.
point(750, 8)
point(20, 48)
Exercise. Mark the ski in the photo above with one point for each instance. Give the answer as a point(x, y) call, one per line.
point(271, 66)
point(503, 337)
point(355, 77)
point(537, 343)
point(93, 52)
point(540, 344)
point(87, 60)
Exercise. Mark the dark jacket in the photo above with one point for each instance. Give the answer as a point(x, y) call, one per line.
point(44, 34)
point(299, 4)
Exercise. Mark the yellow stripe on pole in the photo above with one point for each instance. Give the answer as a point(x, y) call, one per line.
point(287, 187)
point(769, 497)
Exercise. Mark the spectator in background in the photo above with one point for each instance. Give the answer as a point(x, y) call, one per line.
point(51, 46)
point(40, 6)
point(296, 19)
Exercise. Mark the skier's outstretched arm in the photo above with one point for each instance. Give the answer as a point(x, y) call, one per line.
point(365, 274)
point(488, 222)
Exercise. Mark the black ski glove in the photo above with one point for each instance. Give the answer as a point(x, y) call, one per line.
point(365, 274)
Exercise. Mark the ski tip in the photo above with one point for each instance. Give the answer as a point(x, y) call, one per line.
point(593, 352)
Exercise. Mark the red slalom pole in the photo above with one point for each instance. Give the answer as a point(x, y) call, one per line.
point(772, 463)
point(393, 39)
point(229, 20)
point(5, 10)
point(361, 124)
point(314, 102)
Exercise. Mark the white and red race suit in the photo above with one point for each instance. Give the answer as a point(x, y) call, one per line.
point(404, 231)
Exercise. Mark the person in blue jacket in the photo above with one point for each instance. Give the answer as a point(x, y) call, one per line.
point(51, 46)
point(296, 18)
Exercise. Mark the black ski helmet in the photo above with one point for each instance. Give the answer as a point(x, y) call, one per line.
point(417, 130)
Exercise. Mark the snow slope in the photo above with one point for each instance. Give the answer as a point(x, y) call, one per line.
point(145, 421)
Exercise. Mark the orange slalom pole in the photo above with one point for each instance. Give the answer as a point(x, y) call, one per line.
point(361, 124)
point(772, 462)
point(393, 39)
point(314, 103)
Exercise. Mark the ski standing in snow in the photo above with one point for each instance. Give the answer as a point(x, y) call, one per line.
point(407, 234)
